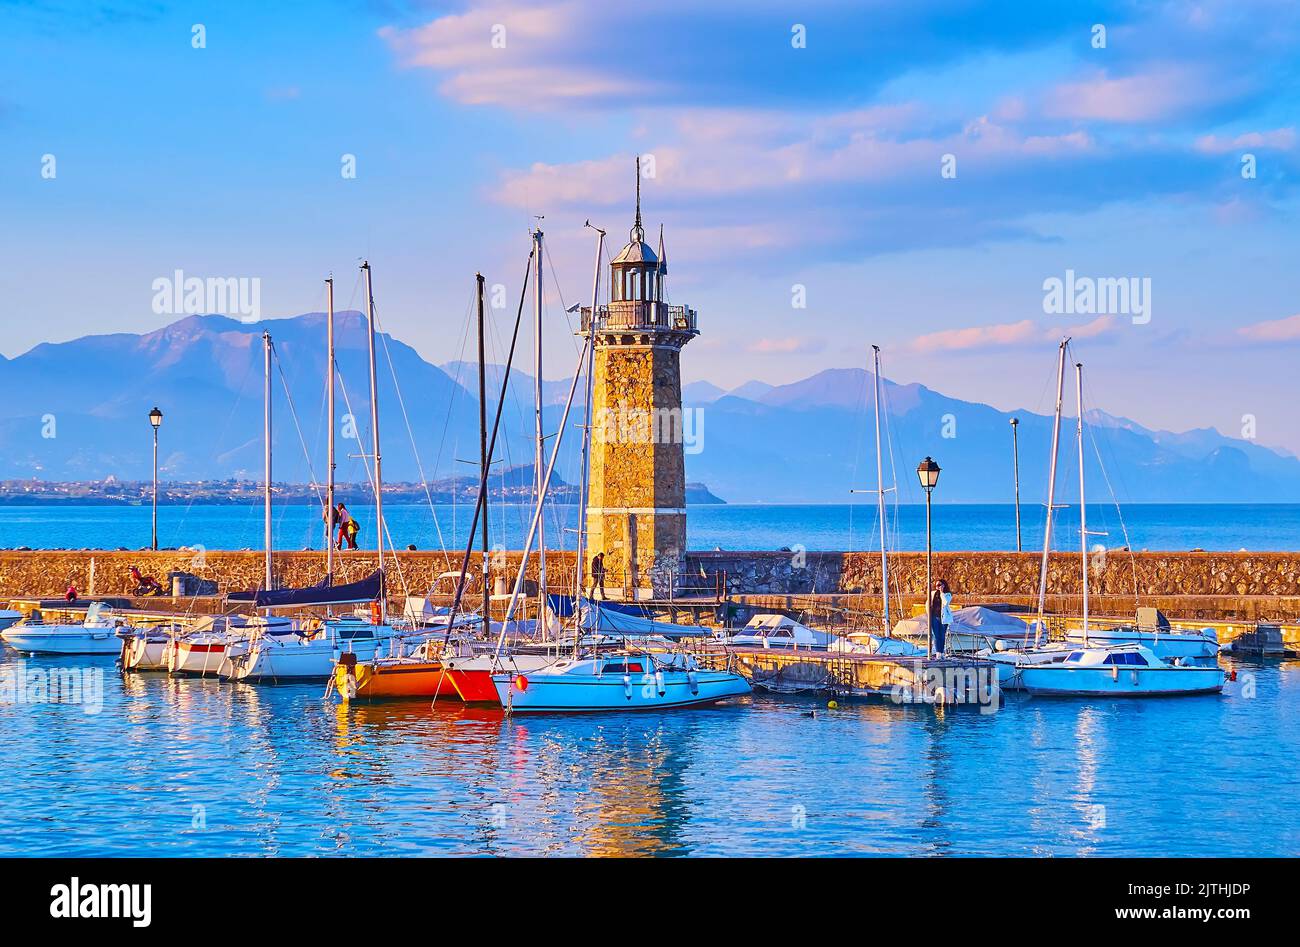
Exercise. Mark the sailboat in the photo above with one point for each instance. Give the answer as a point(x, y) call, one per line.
point(1164, 643)
point(1128, 670)
point(622, 680)
point(868, 642)
point(293, 653)
point(1008, 659)
point(615, 680)
point(1110, 669)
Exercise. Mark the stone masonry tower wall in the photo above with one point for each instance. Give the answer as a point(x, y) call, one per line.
point(636, 512)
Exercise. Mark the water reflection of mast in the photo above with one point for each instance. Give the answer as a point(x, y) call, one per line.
point(937, 765)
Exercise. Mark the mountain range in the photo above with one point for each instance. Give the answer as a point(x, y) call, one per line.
point(78, 410)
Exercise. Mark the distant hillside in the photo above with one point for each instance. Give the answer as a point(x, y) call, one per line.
point(77, 411)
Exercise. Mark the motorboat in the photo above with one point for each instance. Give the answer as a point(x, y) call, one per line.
point(9, 616)
point(96, 634)
point(779, 631)
point(1129, 670)
point(617, 681)
point(866, 642)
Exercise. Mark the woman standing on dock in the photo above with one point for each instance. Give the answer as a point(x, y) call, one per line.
point(940, 614)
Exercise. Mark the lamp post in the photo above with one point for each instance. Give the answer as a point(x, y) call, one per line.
point(1015, 472)
point(155, 420)
point(928, 472)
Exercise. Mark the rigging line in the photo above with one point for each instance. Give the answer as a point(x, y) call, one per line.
point(406, 419)
point(897, 530)
point(564, 306)
point(481, 502)
point(293, 413)
point(895, 539)
point(381, 528)
point(1119, 512)
point(446, 424)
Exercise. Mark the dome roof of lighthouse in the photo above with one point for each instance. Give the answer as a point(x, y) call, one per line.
point(638, 251)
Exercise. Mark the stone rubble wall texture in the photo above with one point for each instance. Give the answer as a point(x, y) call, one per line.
point(987, 575)
point(633, 466)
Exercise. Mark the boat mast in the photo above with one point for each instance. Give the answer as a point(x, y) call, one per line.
point(374, 435)
point(330, 465)
point(537, 417)
point(534, 529)
point(1051, 489)
point(266, 436)
point(1083, 508)
point(584, 484)
point(483, 455)
point(880, 495)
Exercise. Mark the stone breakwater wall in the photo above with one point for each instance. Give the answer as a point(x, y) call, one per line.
point(1241, 585)
point(1009, 573)
point(48, 573)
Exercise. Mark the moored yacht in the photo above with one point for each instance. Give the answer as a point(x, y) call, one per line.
point(219, 638)
point(145, 648)
point(96, 634)
point(617, 681)
point(1121, 671)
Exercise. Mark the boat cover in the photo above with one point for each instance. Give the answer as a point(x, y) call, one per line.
point(623, 620)
point(366, 590)
point(972, 620)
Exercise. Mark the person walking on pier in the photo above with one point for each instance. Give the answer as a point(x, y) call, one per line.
point(343, 519)
point(940, 614)
point(598, 574)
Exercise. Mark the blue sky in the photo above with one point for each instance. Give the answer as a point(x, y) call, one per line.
point(775, 166)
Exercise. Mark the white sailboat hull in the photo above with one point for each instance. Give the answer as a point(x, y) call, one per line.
point(144, 653)
point(1065, 681)
point(273, 660)
point(197, 657)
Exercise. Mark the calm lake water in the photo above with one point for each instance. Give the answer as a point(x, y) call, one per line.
point(1255, 527)
point(198, 767)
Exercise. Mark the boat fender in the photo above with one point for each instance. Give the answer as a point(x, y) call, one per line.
point(627, 686)
point(1114, 672)
point(521, 683)
point(659, 682)
point(693, 680)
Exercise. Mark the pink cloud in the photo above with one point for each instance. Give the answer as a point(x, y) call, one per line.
point(1276, 330)
point(1027, 332)
point(1282, 139)
point(509, 54)
point(978, 337)
point(1148, 96)
point(791, 345)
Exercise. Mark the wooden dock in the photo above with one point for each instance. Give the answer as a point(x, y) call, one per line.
point(901, 679)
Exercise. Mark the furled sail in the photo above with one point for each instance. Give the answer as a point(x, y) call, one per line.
point(366, 590)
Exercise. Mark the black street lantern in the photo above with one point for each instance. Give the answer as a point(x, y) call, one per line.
point(155, 419)
point(928, 472)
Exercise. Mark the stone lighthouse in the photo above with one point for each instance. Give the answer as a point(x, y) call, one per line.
point(637, 506)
